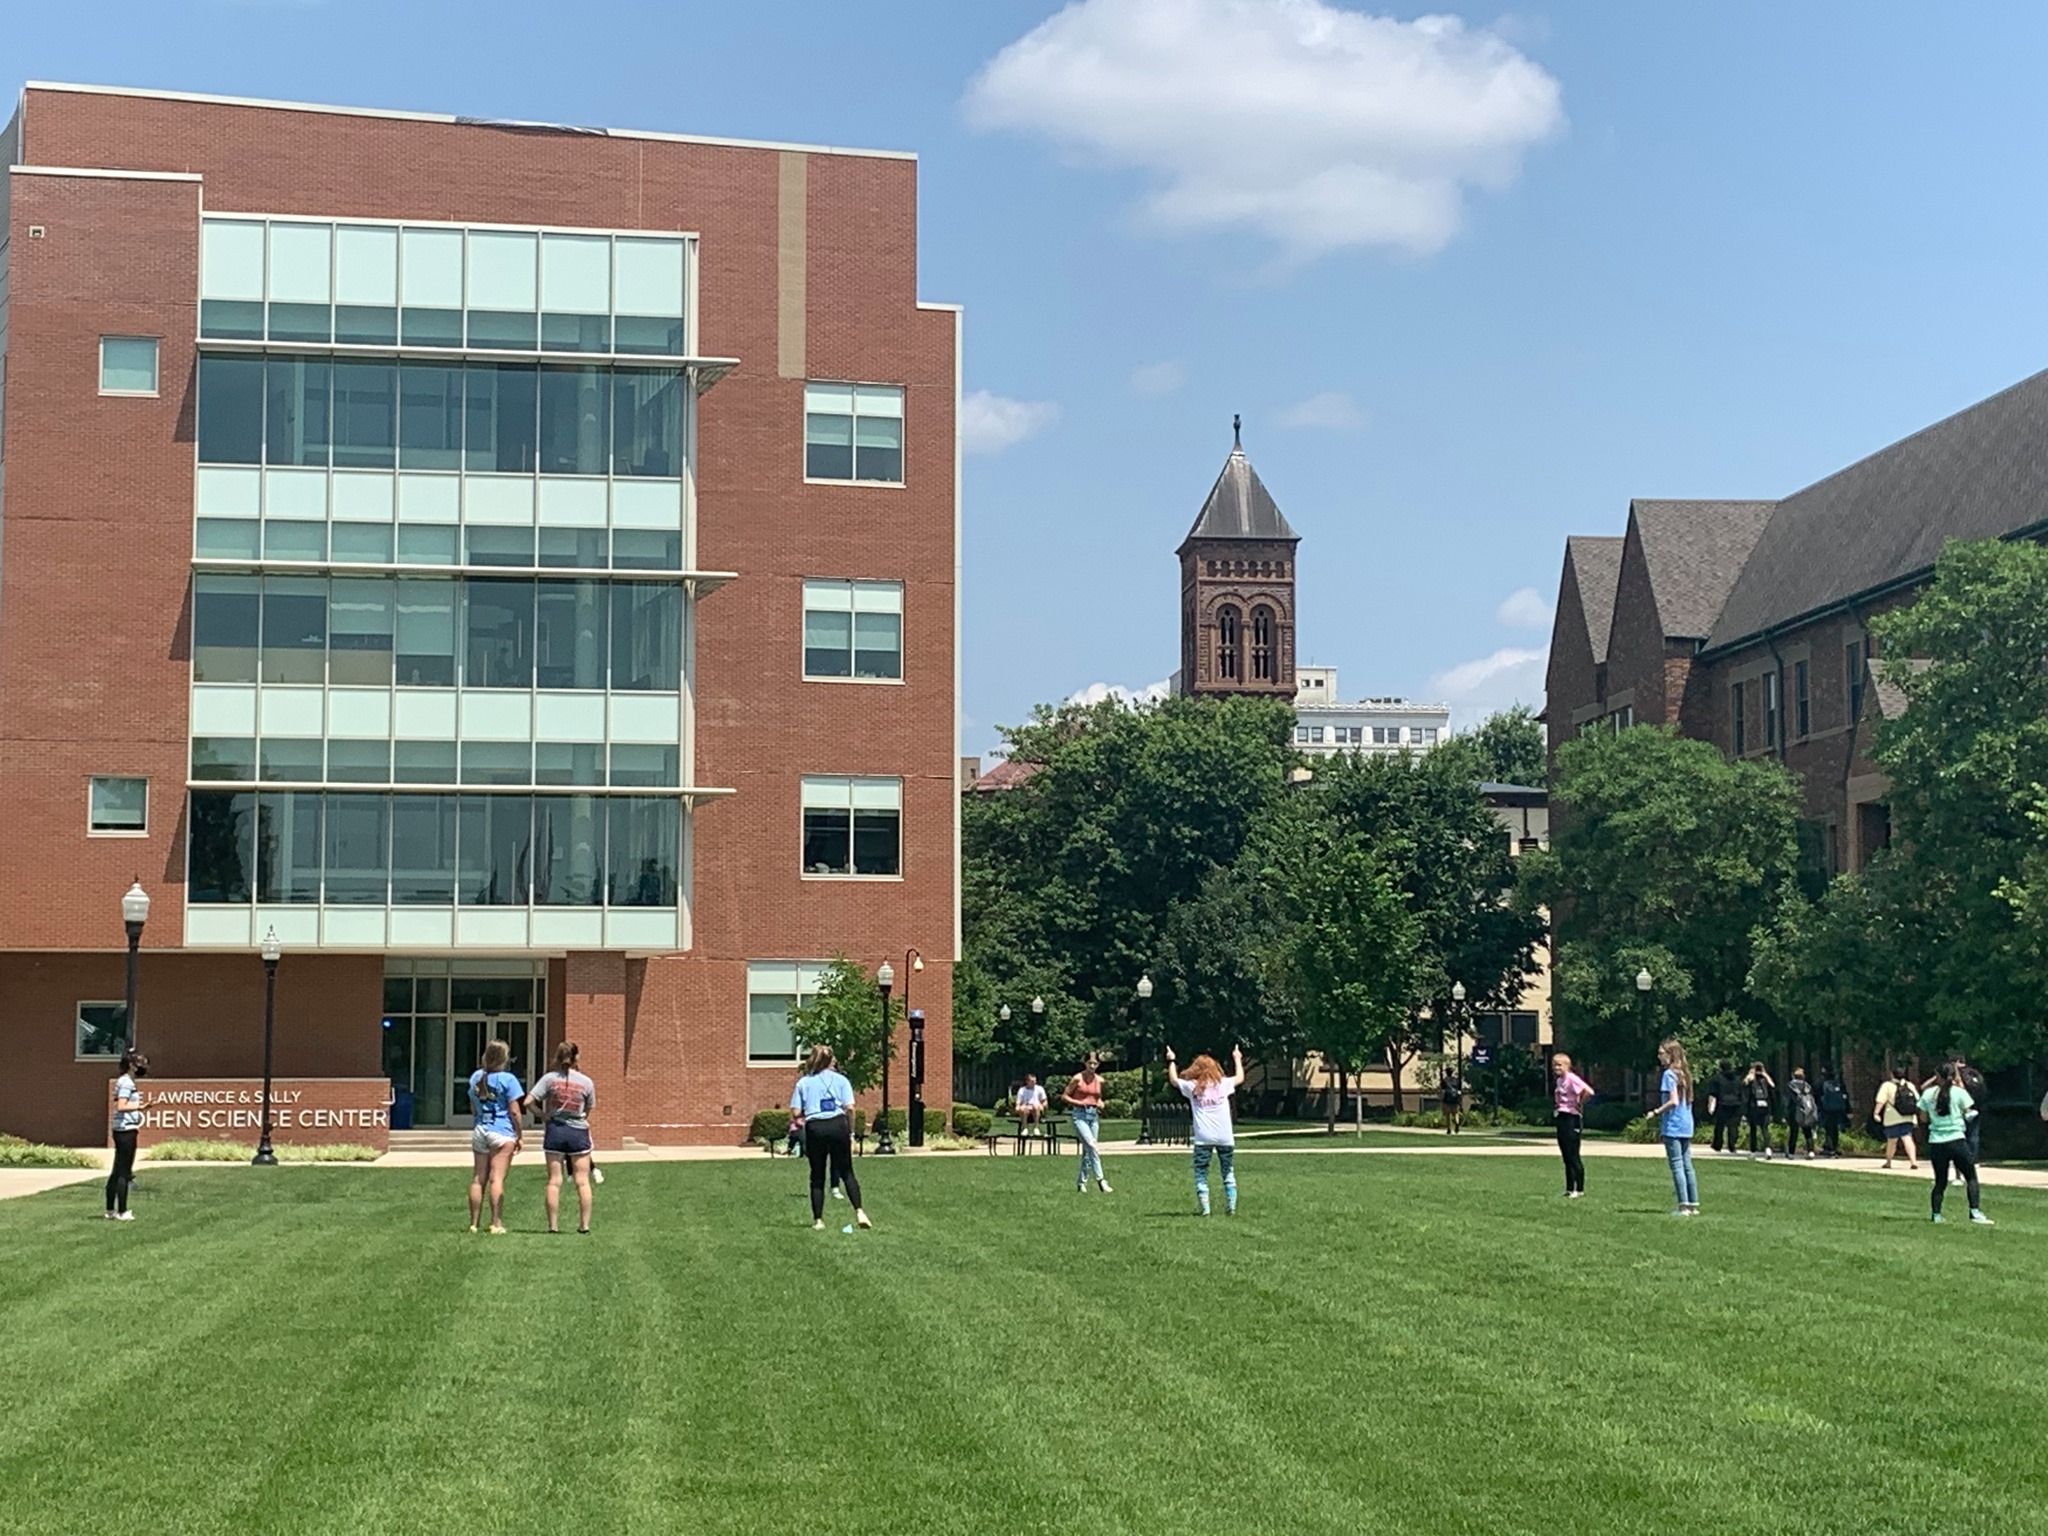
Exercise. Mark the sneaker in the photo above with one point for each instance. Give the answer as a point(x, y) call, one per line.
point(1767, 1154)
point(1690, 1210)
point(124, 1215)
point(860, 1219)
point(838, 1193)
point(109, 1215)
point(471, 1229)
point(1937, 1218)
point(1080, 1189)
point(1103, 1185)
point(817, 1226)
point(496, 1230)
point(1979, 1219)
point(596, 1177)
point(1574, 1194)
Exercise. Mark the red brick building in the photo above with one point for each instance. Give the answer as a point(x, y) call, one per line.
point(380, 567)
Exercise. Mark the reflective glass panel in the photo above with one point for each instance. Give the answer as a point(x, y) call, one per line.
point(645, 840)
point(358, 849)
point(575, 420)
point(225, 612)
point(571, 625)
point(498, 624)
point(365, 415)
point(430, 406)
point(647, 636)
point(288, 847)
point(360, 615)
point(423, 849)
point(223, 847)
point(500, 417)
point(426, 635)
point(568, 850)
point(494, 849)
point(294, 629)
point(297, 420)
point(647, 422)
point(230, 410)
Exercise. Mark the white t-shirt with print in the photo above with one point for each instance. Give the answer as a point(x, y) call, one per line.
point(1212, 1112)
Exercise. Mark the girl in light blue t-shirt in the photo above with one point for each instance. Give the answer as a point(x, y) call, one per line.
point(822, 1104)
point(1674, 1124)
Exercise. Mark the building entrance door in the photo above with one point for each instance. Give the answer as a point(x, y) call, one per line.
point(466, 1041)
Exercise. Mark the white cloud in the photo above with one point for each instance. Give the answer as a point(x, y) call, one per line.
point(1319, 127)
point(989, 423)
point(1524, 608)
point(1475, 689)
point(1095, 693)
point(1330, 411)
point(1158, 378)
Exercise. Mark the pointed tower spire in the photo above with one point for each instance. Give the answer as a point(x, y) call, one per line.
point(1237, 570)
point(1237, 434)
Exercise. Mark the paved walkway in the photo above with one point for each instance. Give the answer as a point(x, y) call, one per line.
point(31, 1181)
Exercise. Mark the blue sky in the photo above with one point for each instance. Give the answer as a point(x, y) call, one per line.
point(1472, 288)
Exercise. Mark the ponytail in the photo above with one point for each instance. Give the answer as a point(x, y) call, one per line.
point(1948, 1077)
point(565, 1056)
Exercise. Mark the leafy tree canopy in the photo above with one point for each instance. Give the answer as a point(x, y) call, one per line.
point(845, 1013)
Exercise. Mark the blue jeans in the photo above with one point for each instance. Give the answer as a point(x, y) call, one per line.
point(1678, 1151)
point(1223, 1155)
point(1086, 1120)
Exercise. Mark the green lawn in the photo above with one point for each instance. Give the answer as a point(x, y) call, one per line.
point(1374, 1344)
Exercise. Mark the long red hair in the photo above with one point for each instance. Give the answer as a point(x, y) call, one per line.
point(1204, 1072)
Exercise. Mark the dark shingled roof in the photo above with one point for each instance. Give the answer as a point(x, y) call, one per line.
point(1695, 552)
point(1596, 564)
point(1980, 474)
point(1239, 506)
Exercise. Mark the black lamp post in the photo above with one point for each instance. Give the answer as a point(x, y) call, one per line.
point(1144, 1066)
point(913, 962)
point(134, 913)
point(916, 1073)
point(885, 1144)
point(265, 1158)
point(1644, 982)
point(1458, 1046)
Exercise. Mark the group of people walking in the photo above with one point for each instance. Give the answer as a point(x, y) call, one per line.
point(1950, 1102)
point(562, 1099)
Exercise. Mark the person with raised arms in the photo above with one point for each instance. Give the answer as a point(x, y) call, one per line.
point(1947, 1110)
point(822, 1105)
point(496, 1100)
point(1208, 1094)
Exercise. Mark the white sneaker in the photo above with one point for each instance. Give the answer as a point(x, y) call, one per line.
point(1979, 1219)
point(1103, 1185)
point(124, 1216)
point(860, 1219)
point(817, 1226)
point(838, 1193)
point(596, 1174)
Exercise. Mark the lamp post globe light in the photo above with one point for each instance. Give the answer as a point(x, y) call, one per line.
point(885, 1144)
point(272, 951)
point(134, 913)
point(1144, 1065)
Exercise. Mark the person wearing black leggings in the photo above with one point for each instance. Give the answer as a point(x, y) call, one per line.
point(1947, 1109)
point(127, 1126)
point(1569, 1094)
point(822, 1102)
point(1758, 1094)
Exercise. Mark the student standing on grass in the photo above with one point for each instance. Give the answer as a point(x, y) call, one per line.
point(1758, 1093)
point(1972, 1082)
point(1083, 1098)
point(1802, 1114)
point(1674, 1124)
point(1452, 1089)
point(1834, 1112)
point(563, 1098)
point(1898, 1109)
point(496, 1101)
point(822, 1103)
point(1208, 1094)
point(1569, 1093)
point(127, 1126)
point(1948, 1109)
point(1724, 1103)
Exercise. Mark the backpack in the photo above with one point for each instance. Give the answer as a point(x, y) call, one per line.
point(1833, 1097)
point(1759, 1092)
point(1905, 1102)
point(1803, 1110)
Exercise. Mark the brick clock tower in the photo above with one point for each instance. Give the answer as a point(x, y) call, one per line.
point(1237, 588)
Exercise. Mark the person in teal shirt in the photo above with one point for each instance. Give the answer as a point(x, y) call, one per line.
point(1948, 1109)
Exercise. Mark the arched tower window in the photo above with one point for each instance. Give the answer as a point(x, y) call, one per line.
point(1262, 644)
point(1229, 642)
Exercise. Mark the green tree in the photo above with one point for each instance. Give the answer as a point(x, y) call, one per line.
point(1667, 857)
point(1967, 761)
point(845, 1013)
point(1069, 878)
point(1427, 825)
point(1507, 748)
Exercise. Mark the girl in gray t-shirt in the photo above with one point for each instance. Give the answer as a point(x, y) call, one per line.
point(563, 1098)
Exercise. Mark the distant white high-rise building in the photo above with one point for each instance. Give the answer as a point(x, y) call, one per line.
point(1323, 724)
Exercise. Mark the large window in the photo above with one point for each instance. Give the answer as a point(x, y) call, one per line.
point(853, 827)
point(1262, 644)
point(440, 286)
point(355, 848)
point(479, 632)
point(119, 807)
point(775, 990)
point(853, 629)
point(1229, 642)
point(1802, 712)
point(500, 418)
point(853, 432)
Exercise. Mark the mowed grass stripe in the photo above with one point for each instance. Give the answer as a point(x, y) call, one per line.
point(1374, 1343)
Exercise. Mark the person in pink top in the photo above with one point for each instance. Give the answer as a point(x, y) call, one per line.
point(1569, 1093)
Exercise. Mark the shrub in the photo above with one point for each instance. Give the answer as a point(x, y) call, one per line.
point(196, 1151)
point(1119, 1109)
point(934, 1143)
point(1610, 1115)
point(769, 1126)
point(16, 1153)
point(971, 1122)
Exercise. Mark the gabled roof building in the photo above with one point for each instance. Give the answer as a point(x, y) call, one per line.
point(1237, 617)
point(1744, 623)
